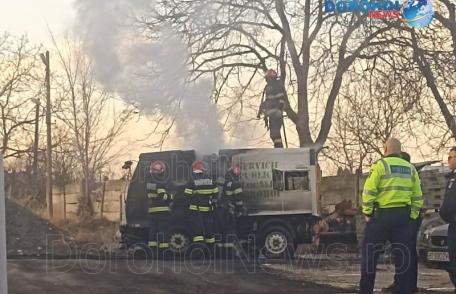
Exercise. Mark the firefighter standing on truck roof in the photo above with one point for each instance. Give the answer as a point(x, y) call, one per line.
point(159, 206)
point(391, 198)
point(203, 195)
point(272, 105)
point(230, 206)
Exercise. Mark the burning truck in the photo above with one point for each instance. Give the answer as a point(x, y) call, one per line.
point(280, 190)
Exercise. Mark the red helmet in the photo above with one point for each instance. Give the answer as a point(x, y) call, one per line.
point(270, 73)
point(236, 169)
point(198, 165)
point(157, 167)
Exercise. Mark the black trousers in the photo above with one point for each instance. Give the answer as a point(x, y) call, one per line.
point(203, 226)
point(275, 126)
point(226, 222)
point(415, 225)
point(452, 251)
point(159, 230)
point(393, 225)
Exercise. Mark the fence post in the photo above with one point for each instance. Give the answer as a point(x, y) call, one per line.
point(3, 272)
point(103, 198)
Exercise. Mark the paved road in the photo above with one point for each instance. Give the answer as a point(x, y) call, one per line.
point(123, 276)
point(344, 272)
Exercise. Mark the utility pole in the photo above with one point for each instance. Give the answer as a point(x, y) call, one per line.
point(3, 272)
point(45, 59)
point(37, 137)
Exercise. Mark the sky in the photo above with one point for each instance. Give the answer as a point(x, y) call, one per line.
point(37, 19)
point(34, 17)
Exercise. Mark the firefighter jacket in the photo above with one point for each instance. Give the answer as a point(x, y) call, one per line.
point(392, 182)
point(274, 99)
point(448, 209)
point(158, 196)
point(232, 193)
point(202, 192)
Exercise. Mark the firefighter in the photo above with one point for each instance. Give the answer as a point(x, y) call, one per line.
point(391, 198)
point(230, 206)
point(272, 105)
point(159, 206)
point(203, 195)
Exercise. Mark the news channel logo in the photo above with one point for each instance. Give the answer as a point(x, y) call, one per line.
point(418, 13)
point(415, 13)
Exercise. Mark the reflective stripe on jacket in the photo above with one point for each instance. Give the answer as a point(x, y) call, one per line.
point(159, 199)
point(393, 182)
point(202, 192)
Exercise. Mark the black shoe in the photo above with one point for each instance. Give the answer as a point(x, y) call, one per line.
point(389, 289)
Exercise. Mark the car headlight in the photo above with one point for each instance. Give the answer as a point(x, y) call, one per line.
point(426, 237)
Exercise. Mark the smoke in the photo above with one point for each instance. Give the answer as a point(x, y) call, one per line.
point(153, 74)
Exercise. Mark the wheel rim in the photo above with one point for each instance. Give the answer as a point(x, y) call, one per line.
point(276, 242)
point(178, 242)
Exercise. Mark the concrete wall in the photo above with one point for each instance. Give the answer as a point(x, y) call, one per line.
point(66, 200)
point(337, 188)
point(334, 189)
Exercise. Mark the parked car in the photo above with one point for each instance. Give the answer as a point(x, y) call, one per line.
point(433, 248)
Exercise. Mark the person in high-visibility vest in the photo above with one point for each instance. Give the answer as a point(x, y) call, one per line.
point(415, 227)
point(202, 192)
point(392, 197)
point(159, 206)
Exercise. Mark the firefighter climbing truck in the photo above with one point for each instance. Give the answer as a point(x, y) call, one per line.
point(280, 192)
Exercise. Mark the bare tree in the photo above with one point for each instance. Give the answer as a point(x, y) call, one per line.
point(434, 53)
point(19, 86)
point(91, 128)
point(233, 41)
point(379, 101)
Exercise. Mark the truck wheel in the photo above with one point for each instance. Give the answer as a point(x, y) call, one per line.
point(277, 243)
point(179, 241)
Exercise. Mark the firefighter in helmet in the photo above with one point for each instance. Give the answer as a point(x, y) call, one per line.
point(202, 193)
point(159, 206)
point(230, 206)
point(272, 105)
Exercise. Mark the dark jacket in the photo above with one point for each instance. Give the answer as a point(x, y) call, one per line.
point(158, 196)
point(448, 208)
point(202, 192)
point(274, 97)
point(232, 192)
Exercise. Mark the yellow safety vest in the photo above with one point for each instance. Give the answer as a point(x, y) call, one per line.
point(393, 182)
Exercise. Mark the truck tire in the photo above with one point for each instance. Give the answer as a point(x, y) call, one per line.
point(277, 243)
point(179, 241)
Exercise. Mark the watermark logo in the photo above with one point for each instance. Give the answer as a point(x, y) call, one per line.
point(376, 9)
point(416, 13)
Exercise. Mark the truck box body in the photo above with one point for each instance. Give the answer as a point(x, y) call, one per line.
point(279, 181)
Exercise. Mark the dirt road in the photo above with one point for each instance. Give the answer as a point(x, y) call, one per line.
point(123, 276)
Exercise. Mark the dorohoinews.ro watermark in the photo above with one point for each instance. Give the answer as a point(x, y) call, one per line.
point(376, 9)
point(414, 13)
point(198, 260)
